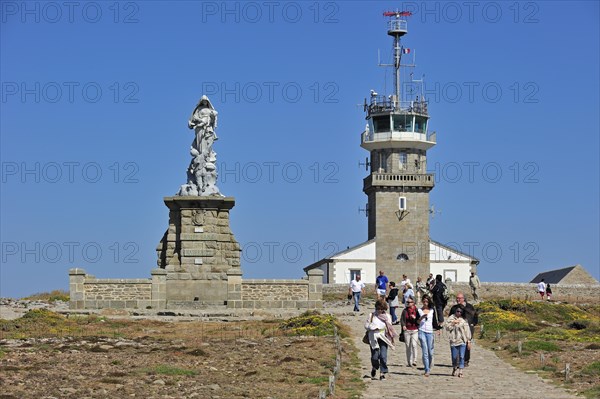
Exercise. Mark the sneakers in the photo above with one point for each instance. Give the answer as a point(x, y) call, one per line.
point(427, 374)
point(453, 371)
point(382, 377)
point(414, 364)
point(373, 373)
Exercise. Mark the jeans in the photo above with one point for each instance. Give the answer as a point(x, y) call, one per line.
point(458, 356)
point(411, 343)
point(379, 357)
point(439, 312)
point(427, 348)
point(356, 296)
point(393, 314)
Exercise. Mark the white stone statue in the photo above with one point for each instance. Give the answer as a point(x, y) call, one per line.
point(202, 172)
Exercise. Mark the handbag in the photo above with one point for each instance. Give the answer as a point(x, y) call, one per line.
point(401, 337)
point(365, 339)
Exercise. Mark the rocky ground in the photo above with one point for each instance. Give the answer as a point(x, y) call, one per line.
point(116, 354)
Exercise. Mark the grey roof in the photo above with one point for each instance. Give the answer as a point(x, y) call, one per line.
point(325, 260)
point(439, 244)
point(553, 276)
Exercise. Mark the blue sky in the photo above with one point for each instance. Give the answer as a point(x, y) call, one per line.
point(96, 98)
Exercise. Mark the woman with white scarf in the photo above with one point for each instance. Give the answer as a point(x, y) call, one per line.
point(381, 335)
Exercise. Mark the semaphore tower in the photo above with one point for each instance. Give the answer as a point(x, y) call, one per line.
point(398, 185)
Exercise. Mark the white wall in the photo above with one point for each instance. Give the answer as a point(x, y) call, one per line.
point(342, 271)
point(463, 270)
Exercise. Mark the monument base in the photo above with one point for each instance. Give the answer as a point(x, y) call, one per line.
point(198, 249)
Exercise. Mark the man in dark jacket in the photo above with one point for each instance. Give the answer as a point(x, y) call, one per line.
point(440, 302)
point(470, 315)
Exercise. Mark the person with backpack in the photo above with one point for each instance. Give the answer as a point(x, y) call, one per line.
point(440, 297)
point(393, 302)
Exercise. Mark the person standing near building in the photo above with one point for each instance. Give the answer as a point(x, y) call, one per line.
point(430, 282)
point(356, 288)
point(421, 289)
point(393, 301)
point(440, 297)
point(548, 292)
point(381, 283)
point(409, 293)
point(474, 283)
point(470, 315)
point(405, 280)
point(542, 288)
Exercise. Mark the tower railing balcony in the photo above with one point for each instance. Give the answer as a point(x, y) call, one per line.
point(369, 136)
point(400, 180)
point(382, 103)
point(397, 25)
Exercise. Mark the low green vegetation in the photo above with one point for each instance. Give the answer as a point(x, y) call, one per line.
point(309, 323)
point(546, 337)
point(592, 369)
point(52, 296)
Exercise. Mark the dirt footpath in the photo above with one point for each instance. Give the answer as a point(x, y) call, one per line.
point(486, 377)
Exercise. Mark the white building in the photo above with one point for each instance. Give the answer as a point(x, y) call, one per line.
point(343, 266)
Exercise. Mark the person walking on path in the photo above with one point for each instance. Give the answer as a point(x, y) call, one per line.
point(460, 338)
point(548, 292)
point(381, 335)
point(405, 280)
point(408, 293)
point(393, 302)
point(356, 288)
point(381, 283)
point(474, 283)
point(427, 324)
point(440, 297)
point(421, 288)
point(542, 288)
point(410, 328)
point(470, 315)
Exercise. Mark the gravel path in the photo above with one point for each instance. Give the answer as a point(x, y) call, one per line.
point(487, 377)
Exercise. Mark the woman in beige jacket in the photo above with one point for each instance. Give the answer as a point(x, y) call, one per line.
point(460, 337)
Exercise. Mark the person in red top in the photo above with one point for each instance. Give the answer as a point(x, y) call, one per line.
point(410, 327)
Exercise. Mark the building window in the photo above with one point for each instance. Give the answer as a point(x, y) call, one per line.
point(354, 273)
point(403, 160)
point(450, 275)
point(402, 257)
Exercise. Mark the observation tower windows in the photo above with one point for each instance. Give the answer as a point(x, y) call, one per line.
point(381, 124)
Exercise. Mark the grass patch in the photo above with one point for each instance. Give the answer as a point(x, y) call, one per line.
point(592, 369)
point(164, 369)
point(592, 393)
point(309, 323)
point(317, 380)
point(52, 296)
point(541, 346)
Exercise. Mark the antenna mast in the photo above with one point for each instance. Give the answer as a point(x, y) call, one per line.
point(397, 27)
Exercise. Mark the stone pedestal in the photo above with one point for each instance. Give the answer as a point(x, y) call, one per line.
point(197, 250)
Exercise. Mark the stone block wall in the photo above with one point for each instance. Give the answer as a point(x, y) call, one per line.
point(88, 292)
point(560, 292)
point(275, 294)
